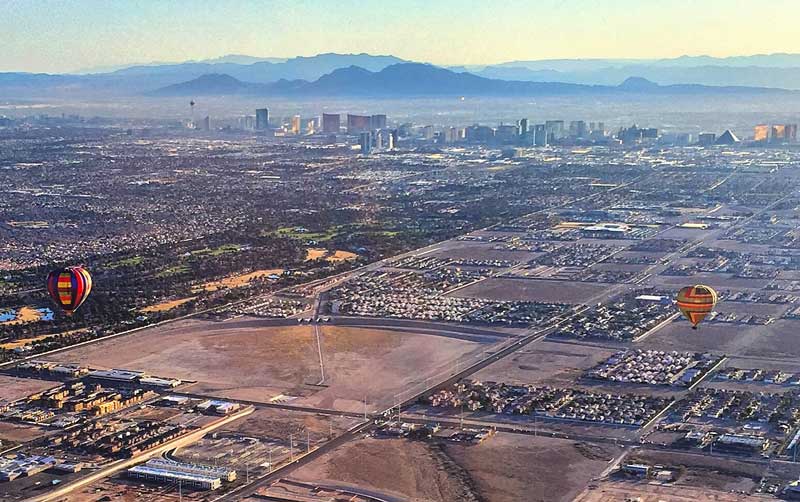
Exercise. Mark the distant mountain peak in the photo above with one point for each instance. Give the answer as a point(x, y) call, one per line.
point(638, 84)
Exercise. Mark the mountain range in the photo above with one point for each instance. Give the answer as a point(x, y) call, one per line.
point(364, 74)
point(418, 80)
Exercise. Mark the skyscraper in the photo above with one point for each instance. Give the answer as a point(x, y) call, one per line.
point(540, 135)
point(523, 127)
point(358, 123)
point(365, 140)
point(262, 119)
point(331, 123)
point(295, 124)
point(377, 122)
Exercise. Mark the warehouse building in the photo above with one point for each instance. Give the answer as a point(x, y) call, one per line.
point(198, 481)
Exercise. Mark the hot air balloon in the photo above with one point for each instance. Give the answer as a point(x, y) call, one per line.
point(69, 287)
point(696, 302)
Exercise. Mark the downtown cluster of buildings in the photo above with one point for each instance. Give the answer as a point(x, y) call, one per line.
point(374, 134)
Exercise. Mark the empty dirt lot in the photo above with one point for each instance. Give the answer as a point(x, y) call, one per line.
point(503, 468)
point(248, 359)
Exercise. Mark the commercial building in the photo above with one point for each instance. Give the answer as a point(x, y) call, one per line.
point(197, 481)
point(295, 127)
point(331, 123)
point(706, 138)
point(262, 119)
point(377, 122)
point(365, 141)
point(223, 473)
point(506, 134)
point(358, 123)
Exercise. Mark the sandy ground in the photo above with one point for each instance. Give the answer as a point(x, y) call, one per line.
point(273, 423)
point(644, 492)
point(237, 281)
point(246, 359)
point(504, 468)
point(168, 305)
point(778, 340)
point(12, 388)
point(545, 363)
point(24, 315)
point(338, 255)
point(534, 290)
point(20, 433)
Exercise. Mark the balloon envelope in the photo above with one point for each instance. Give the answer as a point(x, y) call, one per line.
point(696, 302)
point(69, 287)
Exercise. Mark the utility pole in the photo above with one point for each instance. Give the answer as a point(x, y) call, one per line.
point(291, 448)
point(308, 441)
point(180, 491)
point(270, 460)
point(365, 407)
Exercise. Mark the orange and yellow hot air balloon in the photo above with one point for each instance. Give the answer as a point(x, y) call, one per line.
point(69, 287)
point(696, 302)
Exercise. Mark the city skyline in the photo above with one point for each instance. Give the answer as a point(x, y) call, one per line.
point(72, 35)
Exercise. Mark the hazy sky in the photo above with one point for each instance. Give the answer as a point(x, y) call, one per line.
point(63, 35)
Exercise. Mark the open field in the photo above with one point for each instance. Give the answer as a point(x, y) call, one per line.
point(703, 471)
point(24, 315)
point(532, 290)
point(504, 468)
point(545, 363)
point(167, 305)
point(615, 491)
point(12, 388)
point(509, 468)
point(248, 359)
point(338, 255)
point(20, 433)
point(778, 340)
point(273, 423)
point(237, 281)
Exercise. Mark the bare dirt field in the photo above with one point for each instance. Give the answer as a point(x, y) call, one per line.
point(273, 423)
point(19, 433)
point(615, 491)
point(247, 359)
point(12, 388)
point(545, 363)
point(503, 468)
point(167, 305)
point(533, 290)
point(509, 468)
point(704, 471)
point(237, 281)
point(470, 250)
point(778, 340)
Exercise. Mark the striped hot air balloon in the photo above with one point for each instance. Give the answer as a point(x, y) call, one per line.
point(696, 302)
point(69, 287)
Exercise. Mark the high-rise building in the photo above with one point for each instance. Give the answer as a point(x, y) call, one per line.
point(506, 134)
point(262, 119)
point(778, 133)
point(523, 127)
point(331, 123)
point(358, 123)
point(791, 133)
point(555, 130)
point(706, 138)
point(392, 139)
point(427, 132)
point(295, 127)
point(761, 132)
point(365, 141)
point(377, 122)
point(206, 124)
point(540, 135)
point(577, 129)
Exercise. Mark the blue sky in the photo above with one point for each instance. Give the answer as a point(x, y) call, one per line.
point(64, 35)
